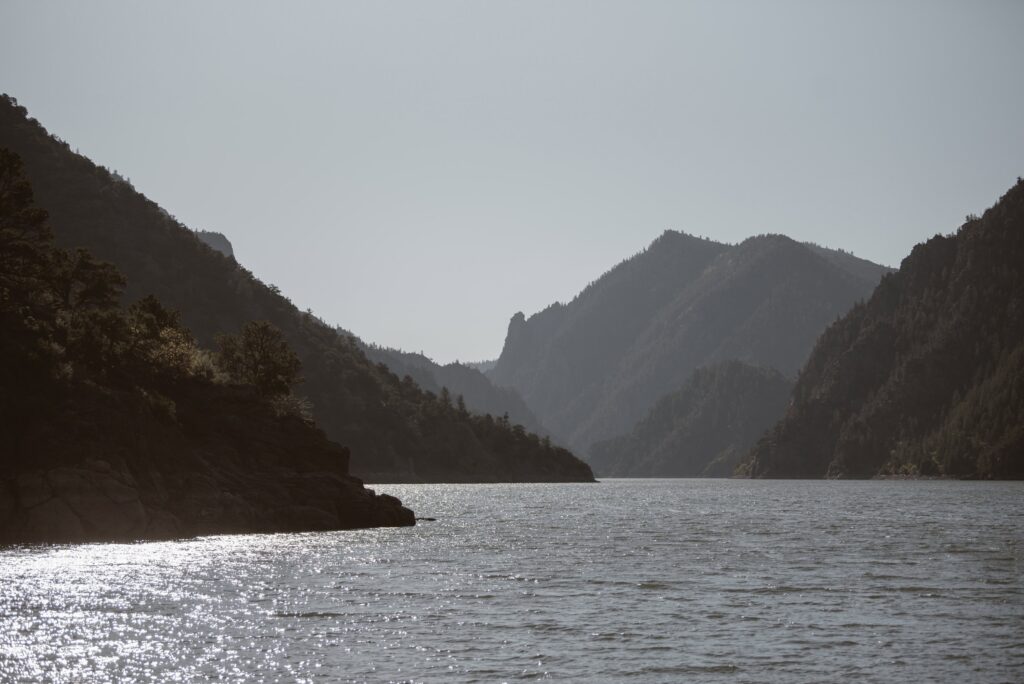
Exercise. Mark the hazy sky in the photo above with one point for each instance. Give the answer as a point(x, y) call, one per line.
point(418, 172)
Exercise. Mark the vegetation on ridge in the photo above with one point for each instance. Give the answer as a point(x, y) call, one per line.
point(395, 429)
point(925, 378)
point(113, 423)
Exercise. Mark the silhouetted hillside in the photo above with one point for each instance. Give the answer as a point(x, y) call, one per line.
point(927, 377)
point(703, 429)
point(480, 395)
point(395, 430)
point(114, 427)
point(592, 368)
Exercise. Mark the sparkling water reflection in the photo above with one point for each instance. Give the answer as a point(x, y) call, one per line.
point(652, 580)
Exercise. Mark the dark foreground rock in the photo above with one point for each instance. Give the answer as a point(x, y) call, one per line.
point(101, 465)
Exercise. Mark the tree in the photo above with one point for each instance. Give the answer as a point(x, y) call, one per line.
point(158, 339)
point(91, 326)
point(28, 356)
point(26, 243)
point(26, 249)
point(260, 356)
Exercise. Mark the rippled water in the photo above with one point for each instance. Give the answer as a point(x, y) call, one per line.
point(651, 580)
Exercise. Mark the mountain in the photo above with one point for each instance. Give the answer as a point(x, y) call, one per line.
point(480, 395)
point(115, 425)
point(927, 376)
point(217, 241)
point(590, 369)
point(395, 430)
point(703, 429)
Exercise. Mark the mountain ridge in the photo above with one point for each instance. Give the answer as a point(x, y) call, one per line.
point(461, 380)
point(592, 367)
point(395, 430)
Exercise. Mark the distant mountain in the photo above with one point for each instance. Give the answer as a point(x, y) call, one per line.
point(926, 377)
point(395, 430)
point(702, 430)
point(480, 395)
point(217, 241)
point(590, 369)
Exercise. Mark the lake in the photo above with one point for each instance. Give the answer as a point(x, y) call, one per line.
point(643, 580)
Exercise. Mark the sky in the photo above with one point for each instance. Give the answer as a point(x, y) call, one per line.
point(417, 172)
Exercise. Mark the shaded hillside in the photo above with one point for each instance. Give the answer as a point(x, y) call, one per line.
point(702, 430)
point(559, 358)
point(592, 368)
point(396, 430)
point(113, 427)
point(927, 377)
point(480, 395)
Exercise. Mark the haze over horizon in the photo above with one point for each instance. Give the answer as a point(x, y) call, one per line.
point(417, 173)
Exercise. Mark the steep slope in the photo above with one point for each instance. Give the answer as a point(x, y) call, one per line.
point(394, 429)
point(113, 426)
point(764, 302)
point(703, 429)
point(925, 378)
point(480, 395)
point(559, 359)
point(592, 368)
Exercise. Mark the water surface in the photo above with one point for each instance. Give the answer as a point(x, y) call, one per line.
point(643, 580)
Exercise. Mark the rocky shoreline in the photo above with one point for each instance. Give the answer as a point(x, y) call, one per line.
point(107, 466)
point(94, 503)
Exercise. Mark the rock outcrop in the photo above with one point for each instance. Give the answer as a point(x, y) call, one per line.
point(216, 241)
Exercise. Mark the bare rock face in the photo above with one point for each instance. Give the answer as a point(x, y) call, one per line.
point(101, 502)
point(69, 504)
point(52, 520)
point(33, 489)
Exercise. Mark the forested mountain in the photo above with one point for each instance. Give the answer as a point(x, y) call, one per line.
point(702, 430)
point(478, 393)
point(926, 377)
point(115, 425)
point(590, 369)
point(395, 430)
